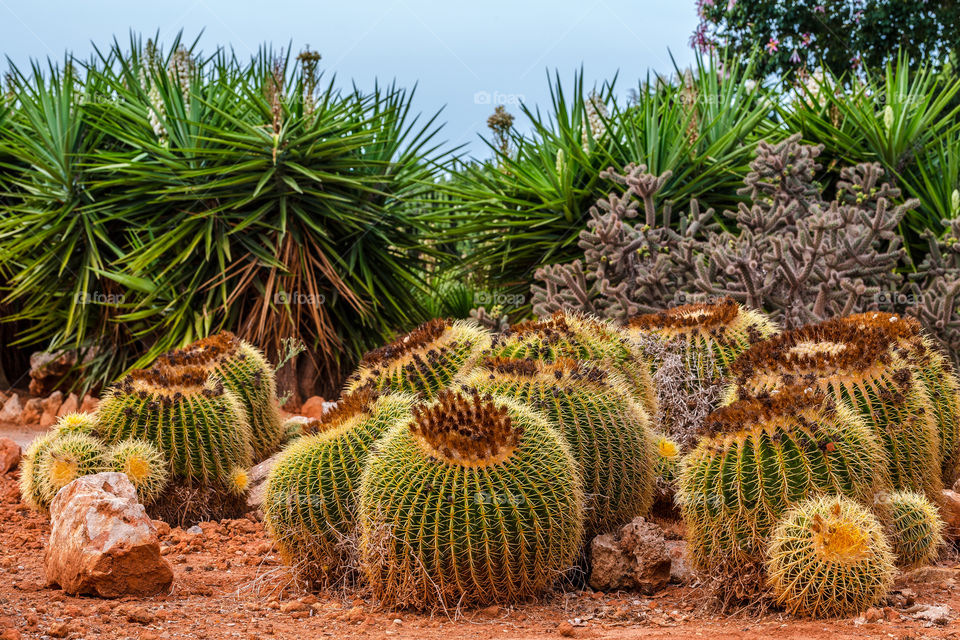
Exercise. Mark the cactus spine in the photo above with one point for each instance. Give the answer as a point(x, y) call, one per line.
point(936, 374)
point(828, 557)
point(200, 426)
point(77, 422)
point(30, 491)
point(67, 458)
point(310, 500)
point(711, 335)
point(473, 501)
point(608, 433)
point(245, 371)
point(570, 336)
point(424, 361)
point(759, 457)
point(859, 367)
point(144, 465)
point(916, 530)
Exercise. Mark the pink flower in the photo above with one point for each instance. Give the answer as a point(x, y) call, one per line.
point(820, 8)
point(795, 57)
point(805, 38)
point(773, 45)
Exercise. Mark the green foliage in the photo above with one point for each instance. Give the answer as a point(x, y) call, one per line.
point(310, 504)
point(916, 530)
point(828, 557)
point(762, 456)
point(607, 432)
point(144, 465)
point(68, 457)
point(494, 485)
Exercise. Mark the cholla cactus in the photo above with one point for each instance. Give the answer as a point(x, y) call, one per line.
point(916, 531)
point(828, 557)
point(497, 489)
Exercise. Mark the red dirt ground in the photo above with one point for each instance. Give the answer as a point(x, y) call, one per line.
point(230, 584)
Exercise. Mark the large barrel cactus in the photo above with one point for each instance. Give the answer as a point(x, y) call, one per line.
point(608, 432)
point(711, 335)
point(934, 371)
point(476, 500)
point(761, 456)
point(423, 361)
point(571, 336)
point(200, 426)
point(310, 501)
point(916, 531)
point(829, 557)
point(246, 372)
point(861, 368)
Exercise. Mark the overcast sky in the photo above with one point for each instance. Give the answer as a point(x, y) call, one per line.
point(464, 57)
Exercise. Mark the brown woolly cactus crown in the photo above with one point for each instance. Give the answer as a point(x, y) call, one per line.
point(467, 430)
point(165, 381)
point(530, 368)
point(794, 404)
point(702, 317)
point(419, 337)
point(203, 352)
point(349, 409)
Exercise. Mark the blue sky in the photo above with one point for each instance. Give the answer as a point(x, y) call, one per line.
point(463, 56)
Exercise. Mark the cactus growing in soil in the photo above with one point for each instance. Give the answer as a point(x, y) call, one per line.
point(608, 433)
point(860, 367)
point(711, 335)
point(67, 458)
point(246, 372)
point(828, 557)
point(760, 456)
point(916, 530)
point(934, 371)
point(144, 465)
point(583, 338)
point(30, 470)
point(200, 426)
point(425, 360)
point(475, 500)
point(310, 500)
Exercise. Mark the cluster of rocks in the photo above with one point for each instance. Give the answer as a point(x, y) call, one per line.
point(42, 412)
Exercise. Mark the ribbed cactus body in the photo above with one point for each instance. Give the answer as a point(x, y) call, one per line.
point(859, 367)
point(200, 426)
point(246, 372)
point(423, 361)
point(310, 504)
point(829, 557)
point(570, 336)
point(916, 531)
point(474, 501)
point(711, 335)
point(30, 491)
point(607, 431)
point(67, 458)
point(144, 465)
point(77, 422)
point(934, 372)
point(758, 458)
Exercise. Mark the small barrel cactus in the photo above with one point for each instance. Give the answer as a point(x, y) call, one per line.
point(934, 371)
point(67, 458)
point(859, 367)
point(30, 491)
point(144, 465)
point(310, 500)
point(761, 456)
point(571, 336)
point(608, 433)
point(916, 531)
point(423, 361)
point(711, 335)
point(475, 500)
point(77, 422)
point(246, 372)
point(828, 557)
point(200, 426)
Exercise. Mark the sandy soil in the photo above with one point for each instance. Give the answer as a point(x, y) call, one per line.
point(230, 584)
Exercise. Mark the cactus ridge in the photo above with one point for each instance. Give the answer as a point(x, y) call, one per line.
point(144, 465)
point(424, 361)
point(199, 425)
point(443, 528)
point(829, 557)
point(67, 458)
point(761, 456)
point(245, 371)
point(712, 335)
point(30, 484)
point(934, 371)
point(310, 501)
point(916, 529)
point(861, 368)
point(572, 336)
point(608, 433)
